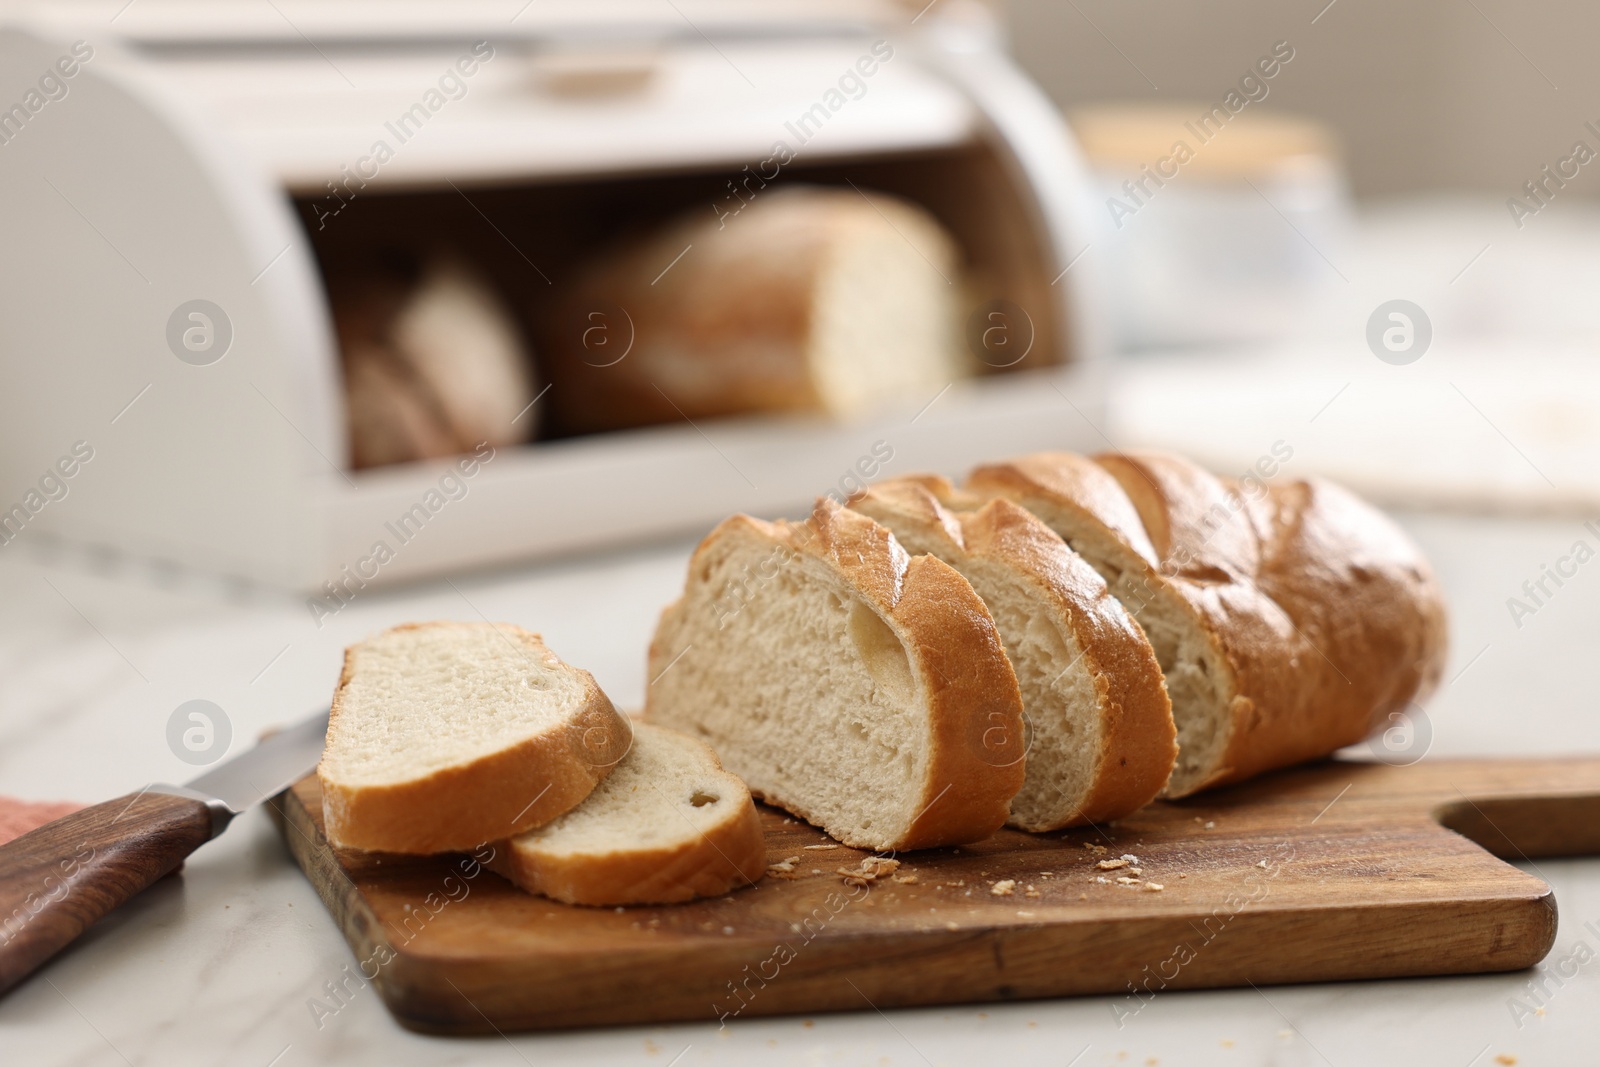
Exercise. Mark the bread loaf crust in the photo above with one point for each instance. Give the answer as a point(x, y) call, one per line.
point(1284, 705)
point(496, 796)
point(975, 753)
point(1326, 615)
point(1137, 742)
point(1072, 483)
point(1360, 589)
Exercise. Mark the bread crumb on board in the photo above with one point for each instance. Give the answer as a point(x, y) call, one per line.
point(1004, 887)
point(819, 848)
point(909, 878)
point(1111, 865)
point(1154, 887)
point(784, 869)
point(871, 869)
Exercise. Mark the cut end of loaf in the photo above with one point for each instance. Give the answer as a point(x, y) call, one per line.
point(844, 680)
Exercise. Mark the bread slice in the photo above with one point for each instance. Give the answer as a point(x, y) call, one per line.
point(1288, 622)
point(434, 364)
point(447, 735)
point(863, 689)
point(667, 825)
point(467, 350)
point(1101, 741)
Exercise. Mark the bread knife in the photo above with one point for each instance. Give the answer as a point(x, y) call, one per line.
point(58, 880)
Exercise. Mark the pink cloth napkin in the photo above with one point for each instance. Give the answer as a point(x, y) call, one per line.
point(17, 817)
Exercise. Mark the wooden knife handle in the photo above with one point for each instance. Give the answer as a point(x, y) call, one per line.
point(56, 881)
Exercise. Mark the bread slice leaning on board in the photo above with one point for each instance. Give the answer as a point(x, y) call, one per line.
point(445, 736)
point(1101, 739)
point(667, 825)
point(1289, 619)
point(862, 688)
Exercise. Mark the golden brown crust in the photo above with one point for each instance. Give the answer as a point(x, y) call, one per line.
point(1324, 614)
point(497, 796)
point(728, 856)
point(1072, 482)
point(1359, 589)
point(1331, 616)
point(1209, 554)
point(1137, 740)
point(975, 755)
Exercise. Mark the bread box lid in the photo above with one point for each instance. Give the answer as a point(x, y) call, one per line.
point(316, 93)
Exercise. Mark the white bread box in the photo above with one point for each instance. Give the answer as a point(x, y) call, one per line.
point(169, 379)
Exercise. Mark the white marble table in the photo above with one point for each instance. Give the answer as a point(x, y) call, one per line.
point(216, 967)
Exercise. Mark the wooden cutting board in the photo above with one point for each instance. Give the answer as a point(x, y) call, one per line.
point(1334, 871)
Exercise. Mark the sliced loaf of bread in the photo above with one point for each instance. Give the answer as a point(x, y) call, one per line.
point(444, 736)
point(862, 688)
point(1349, 621)
point(1100, 735)
point(667, 825)
point(1288, 621)
point(1215, 667)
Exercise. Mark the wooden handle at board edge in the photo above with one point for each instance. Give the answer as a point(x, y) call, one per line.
point(58, 880)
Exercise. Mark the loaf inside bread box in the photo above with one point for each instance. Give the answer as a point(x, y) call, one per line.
point(519, 313)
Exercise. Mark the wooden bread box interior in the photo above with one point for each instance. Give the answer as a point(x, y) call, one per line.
point(195, 158)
